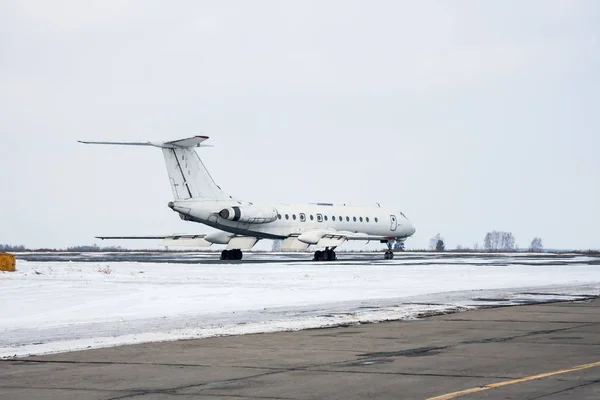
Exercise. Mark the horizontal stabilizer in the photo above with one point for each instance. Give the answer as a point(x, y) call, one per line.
point(194, 141)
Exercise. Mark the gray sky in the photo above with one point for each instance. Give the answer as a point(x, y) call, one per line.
point(468, 116)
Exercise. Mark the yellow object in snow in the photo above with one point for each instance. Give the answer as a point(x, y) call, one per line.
point(7, 262)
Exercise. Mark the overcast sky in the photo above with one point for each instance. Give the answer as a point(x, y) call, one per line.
point(468, 116)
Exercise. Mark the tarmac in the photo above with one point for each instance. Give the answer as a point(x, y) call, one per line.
point(406, 258)
point(544, 351)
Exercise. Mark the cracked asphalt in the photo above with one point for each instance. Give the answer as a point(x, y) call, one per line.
point(419, 359)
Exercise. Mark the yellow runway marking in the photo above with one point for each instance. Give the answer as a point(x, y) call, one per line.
point(513, 381)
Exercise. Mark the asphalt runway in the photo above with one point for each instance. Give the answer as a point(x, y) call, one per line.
point(407, 258)
point(544, 351)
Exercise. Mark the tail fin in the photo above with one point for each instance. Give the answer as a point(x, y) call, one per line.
point(188, 176)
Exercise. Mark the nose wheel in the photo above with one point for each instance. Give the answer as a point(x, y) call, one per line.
point(389, 253)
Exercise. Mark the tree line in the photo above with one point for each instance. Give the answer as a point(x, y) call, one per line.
point(80, 248)
point(493, 241)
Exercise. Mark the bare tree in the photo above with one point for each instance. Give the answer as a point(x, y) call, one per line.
point(507, 241)
point(487, 242)
point(496, 240)
point(536, 244)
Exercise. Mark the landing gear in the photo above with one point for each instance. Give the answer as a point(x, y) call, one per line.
point(235, 254)
point(389, 253)
point(325, 255)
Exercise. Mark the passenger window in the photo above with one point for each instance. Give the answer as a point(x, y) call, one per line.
point(302, 217)
point(367, 219)
point(311, 217)
point(376, 220)
point(348, 219)
point(325, 217)
point(319, 218)
point(360, 219)
point(341, 219)
point(287, 216)
point(278, 216)
point(354, 219)
point(333, 218)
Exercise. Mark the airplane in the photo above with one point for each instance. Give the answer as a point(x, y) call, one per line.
point(241, 224)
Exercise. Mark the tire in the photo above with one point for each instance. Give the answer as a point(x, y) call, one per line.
point(318, 255)
point(238, 254)
point(225, 255)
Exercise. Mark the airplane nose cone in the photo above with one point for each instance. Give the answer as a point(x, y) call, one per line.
point(410, 229)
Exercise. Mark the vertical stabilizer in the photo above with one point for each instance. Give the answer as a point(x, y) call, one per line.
point(188, 176)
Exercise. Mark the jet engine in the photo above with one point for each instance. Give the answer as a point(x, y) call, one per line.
point(249, 214)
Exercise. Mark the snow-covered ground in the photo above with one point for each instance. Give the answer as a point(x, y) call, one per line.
point(59, 306)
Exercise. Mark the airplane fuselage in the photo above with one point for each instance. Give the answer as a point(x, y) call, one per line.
point(296, 219)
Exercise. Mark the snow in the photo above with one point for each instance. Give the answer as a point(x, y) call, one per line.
point(48, 307)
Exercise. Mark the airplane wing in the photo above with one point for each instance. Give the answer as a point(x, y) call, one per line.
point(325, 239)
point(168, 240)
point(190, 240)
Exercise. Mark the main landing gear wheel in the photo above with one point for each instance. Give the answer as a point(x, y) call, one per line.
point(325, 255)
point(235, 254)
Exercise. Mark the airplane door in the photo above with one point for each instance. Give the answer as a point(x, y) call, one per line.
point(394, 222)
point(214, 218)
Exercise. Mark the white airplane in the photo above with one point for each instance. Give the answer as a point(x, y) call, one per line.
point(241, 224)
